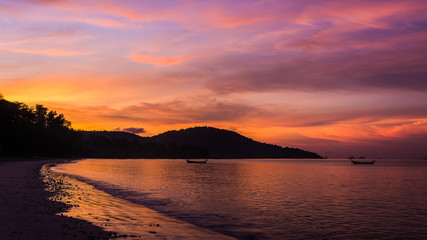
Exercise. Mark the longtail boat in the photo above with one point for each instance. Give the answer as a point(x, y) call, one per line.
point(196, 161)
point(362, 162)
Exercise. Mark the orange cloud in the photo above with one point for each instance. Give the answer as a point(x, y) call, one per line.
point(158, 61)
point(51, 52)
point(76, 89)
point(259, 58)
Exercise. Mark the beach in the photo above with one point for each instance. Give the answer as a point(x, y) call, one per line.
point(37, 204)
point(170, 199)
point(26, 211)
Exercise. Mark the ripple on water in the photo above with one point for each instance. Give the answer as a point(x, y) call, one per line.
point(128, 220)
point(274, 199)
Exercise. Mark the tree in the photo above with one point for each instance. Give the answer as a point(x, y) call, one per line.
point(55, 121)
point(41, 116)
point(34, 131)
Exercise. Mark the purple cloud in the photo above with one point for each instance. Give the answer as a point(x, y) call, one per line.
point(134, 130)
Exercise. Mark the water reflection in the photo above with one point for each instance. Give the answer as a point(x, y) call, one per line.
point(126, 219)
point(274, 199)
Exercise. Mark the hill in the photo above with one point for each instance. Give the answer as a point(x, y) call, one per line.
point(228, 144)
point(107, 144)
point(39, 132)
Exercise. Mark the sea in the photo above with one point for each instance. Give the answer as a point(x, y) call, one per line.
point(254, 198)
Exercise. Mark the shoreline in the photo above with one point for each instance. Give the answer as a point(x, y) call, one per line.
point(125, 218)
point(26, 210)
point(38, 203)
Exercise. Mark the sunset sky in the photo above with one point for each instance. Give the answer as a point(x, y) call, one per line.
point(338, 78)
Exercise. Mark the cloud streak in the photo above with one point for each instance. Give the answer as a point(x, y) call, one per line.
point(317, 73)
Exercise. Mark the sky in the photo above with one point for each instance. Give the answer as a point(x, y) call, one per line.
point(339, 78)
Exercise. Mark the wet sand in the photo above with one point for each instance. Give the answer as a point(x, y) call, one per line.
point(53, 206)
point(128, 220)
point(27, 213)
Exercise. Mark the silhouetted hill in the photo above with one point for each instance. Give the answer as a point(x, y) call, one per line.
point(37, 131)
point(127, 145)
point(228, 144)
point(113, 135)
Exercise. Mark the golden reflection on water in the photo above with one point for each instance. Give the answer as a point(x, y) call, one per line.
point(261, 199)
point(128, 220)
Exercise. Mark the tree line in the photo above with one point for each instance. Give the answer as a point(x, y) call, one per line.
point(36, 131)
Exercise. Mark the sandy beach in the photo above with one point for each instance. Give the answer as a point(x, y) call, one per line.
point(78, 211)
point(26, 212)
point(127, 220)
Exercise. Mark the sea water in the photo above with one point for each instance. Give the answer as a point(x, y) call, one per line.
point(269, 199)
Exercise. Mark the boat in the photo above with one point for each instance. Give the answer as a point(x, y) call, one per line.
point(362, 162)
point(196, 161)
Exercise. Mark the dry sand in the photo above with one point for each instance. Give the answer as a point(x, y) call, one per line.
point(26, 212)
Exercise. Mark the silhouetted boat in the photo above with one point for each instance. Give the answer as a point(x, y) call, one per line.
point(196, 161)
point(362, 162)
